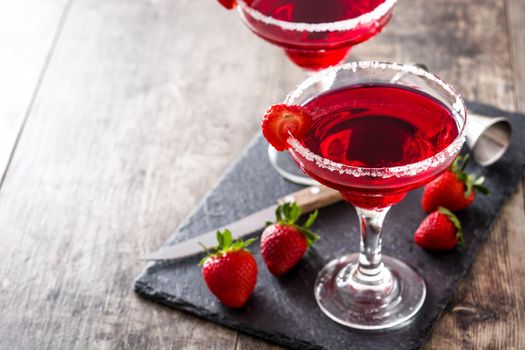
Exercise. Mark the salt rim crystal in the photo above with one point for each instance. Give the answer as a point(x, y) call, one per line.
point(380, 11)
point(407, 170)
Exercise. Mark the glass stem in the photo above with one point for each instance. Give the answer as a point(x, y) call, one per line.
point(370, 270)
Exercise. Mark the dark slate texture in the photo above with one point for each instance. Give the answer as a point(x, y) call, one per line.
point(284, 310)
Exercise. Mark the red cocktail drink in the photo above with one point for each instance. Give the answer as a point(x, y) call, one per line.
point(376, 126)
point(372, 131)
point(316, 34)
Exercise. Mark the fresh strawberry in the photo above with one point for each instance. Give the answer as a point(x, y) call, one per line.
point(455, 189)
point(230, 271)
point(440, 230)
point(229, 4)
point(282, 120)
point(284, 243)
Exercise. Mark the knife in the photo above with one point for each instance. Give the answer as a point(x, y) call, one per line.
point(309, 199)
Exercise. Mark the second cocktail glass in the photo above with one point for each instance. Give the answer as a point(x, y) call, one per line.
point(316, 34)
point(374, 140)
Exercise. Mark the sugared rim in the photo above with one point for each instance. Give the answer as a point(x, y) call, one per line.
point(411, 169)
point(347, 24)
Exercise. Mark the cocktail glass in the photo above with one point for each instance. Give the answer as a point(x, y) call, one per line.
point(366, 290)
point(315, 34)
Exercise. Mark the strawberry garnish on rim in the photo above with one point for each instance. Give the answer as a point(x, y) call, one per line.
point(229, 4)
point(281, 121)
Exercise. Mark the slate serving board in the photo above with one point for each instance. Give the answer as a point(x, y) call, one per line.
point(284, 310)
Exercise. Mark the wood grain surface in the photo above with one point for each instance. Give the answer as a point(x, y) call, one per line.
point(28, 31)
point(117, 116)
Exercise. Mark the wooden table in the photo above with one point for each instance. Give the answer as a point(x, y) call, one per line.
point(117, 116)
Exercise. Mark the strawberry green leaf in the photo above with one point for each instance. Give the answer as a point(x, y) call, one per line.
point(227, 239)
point(248, 242)
point(480, 187)
point(295, 212)
point(311, 237)
point(284, 211)
point(311, 219)
point(471, 182)
point(226, 244)
point(288, 213)
point(459, 237)
point(278, 213)
point(455, 221)
point(203, 260)
point(220, 239)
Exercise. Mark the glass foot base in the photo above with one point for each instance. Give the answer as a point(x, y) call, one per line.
point(376, 307)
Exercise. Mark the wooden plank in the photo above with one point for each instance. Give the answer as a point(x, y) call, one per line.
point(143, 106)
point(516, 27)
point(27, 33)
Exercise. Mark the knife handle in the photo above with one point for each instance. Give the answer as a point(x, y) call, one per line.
point(312, 198)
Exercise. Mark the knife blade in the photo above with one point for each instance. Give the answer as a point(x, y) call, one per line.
point(309, 199)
